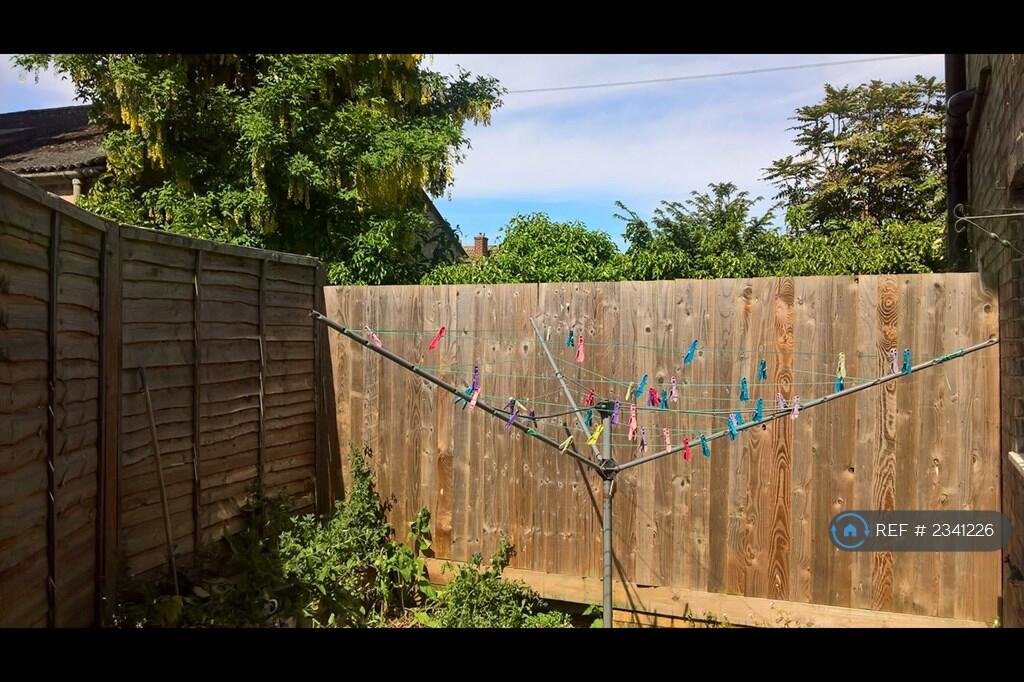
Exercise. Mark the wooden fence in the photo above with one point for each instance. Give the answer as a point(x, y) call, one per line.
point(743, 533)
point(232, 363)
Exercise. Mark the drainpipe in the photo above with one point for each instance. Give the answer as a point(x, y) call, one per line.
point(958, 104)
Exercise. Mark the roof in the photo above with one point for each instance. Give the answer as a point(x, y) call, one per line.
point(43, 140)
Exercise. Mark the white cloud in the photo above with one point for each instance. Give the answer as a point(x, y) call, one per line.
point(21, 90)
point(657, 141)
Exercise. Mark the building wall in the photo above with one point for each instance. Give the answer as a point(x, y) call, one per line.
point(997, 183)
point(62, 187)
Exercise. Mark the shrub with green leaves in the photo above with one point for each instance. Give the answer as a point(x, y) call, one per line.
point(344, 569)
point(481, 598)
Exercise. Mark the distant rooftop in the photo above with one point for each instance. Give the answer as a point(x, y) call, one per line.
point(47, 140)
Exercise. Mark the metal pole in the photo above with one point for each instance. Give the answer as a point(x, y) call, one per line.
point(561, 380)
point(399, 360)
point(606, 526)
point(819, 401)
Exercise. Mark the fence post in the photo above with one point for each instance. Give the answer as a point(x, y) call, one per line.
point(110, 353)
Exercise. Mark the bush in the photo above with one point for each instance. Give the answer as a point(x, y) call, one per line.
point(478, 598)
point(341, 570)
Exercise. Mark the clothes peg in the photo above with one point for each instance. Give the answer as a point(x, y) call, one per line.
point(579, 351)
point(664, 400)
point(589, 400)
point(690, 353)
point(687, 455)
point(570, 342)
point(512, 419)
point(907, 367)
point(476, 378)
point(472, 400)
point(796, 407)
point(759, 410)
point(841, 366)
point(781, 401)
point(629, 391)
point(436, 340)
point(762, 371)
point(705, 448)
point(667, 435)
point(739, 418)
point(616, 413)
point(632, 422)
point(732, 427)
point(565, 444)
point(373, 337)
point(892, 359)
point(590, 418)
point(744, 390)
point(595, 435)
point(652, 397)
point(673, 393)
point(839, 385)
point(547, 334)
point(641, 387)
point(643, 440)
point(468, 392)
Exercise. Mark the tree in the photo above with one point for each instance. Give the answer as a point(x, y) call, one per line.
point(327, 155)
point(536, 249)
point(715, 235)
point(711, 234)
point(873, 152)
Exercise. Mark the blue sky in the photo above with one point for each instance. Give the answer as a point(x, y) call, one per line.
point(571, 154)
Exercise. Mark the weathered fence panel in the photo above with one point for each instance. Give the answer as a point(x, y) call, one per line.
point(751, 520)
point(229, 350)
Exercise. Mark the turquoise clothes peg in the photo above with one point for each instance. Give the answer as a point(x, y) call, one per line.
point(705, 448)
point(839, 385)
point(664, 400)
point(762, 371)
point(759, 410)
point(640, 389)
point(732, 427)
point(691, 353)
point(465, 401)
point(739, 418)
point(570, 342)
point(907, 367)
point(590, 418)
point(744, 390)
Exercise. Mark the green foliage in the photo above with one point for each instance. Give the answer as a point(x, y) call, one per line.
point(341, 570)
point(324, 154)
point(714, 235)
point(536, 249)
point(869, 153)
point(355, 574)
point(241, 582)
point(711, 234)
point(478, 597)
